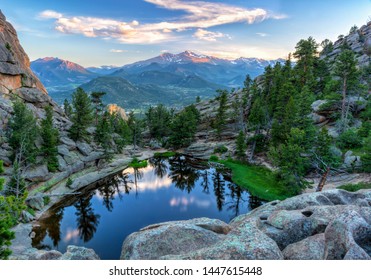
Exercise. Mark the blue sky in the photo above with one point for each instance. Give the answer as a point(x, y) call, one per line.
point(117, 32)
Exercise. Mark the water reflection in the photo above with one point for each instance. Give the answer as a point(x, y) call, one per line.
point(168, 189)
point(87, 221)
point(183, 174)
point(50, 225)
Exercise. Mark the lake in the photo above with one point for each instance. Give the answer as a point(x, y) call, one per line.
point(177, 188)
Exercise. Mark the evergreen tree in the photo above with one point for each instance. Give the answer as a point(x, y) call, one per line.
point(346, 70)
point(292, 165)
point(136, 128)
point(366, 157)
point(327, 47)
point(158, 121)
point(96, 100)
point(82, 115)
point(306, 55)
point(240, 145)
point(122, 129)
point(220, 120)
point(67, 108)
point(6, 235)
point(23, 132)
point(50, 137)
point(183, 127)
point(103, 135)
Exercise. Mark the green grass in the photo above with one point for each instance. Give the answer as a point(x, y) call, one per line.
point(31, 211)
point(355, 187)
point(138, 164)
point(167, 154)
point(258, 180)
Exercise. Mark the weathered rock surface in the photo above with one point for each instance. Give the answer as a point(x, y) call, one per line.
point(335, 224)
point(17, 79)
point(79, 253)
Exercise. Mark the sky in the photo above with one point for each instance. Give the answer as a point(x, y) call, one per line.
point(118, 32)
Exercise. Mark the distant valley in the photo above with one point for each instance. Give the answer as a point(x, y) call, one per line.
point(171, 79)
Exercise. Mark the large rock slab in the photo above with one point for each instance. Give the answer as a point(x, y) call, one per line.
point(79, 253)
point(172, 239)
point(37, 174)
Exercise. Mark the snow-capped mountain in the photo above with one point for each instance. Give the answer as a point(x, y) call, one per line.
point(216, 70)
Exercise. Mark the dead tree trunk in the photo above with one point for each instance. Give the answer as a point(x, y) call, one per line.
point(322, 182)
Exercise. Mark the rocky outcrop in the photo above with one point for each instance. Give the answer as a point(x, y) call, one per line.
point(334, 225)
point(18, 81)
point(15, 70)
point(115, 109)
point(359, 41)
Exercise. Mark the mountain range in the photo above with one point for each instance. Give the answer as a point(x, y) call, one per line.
point(171, 79)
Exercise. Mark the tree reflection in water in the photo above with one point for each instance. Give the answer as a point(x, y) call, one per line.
point(183, 175)
point(112, 188)
point(87, 221)
point(159, 165)
point(219, 189)
point(205, 181)
point(204, 184)
point(51, 225)
point(236, 199)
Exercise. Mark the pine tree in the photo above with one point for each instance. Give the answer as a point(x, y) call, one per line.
point(6, 235)
point(306, 55)
point(292, 165)
point(158, 121)
point(82, 115)
point(122, 129)
point(23, 132)
point(220, 120)
point(50, 137)
point(183, 127)
point(96, 100)
point(346, 70)
point(136, 127)
point(67, 108)
point(240, 145)
point(103, 135)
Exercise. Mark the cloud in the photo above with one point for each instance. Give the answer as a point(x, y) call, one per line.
point(49, 14)
point(117, 51)
point(262, 34)
point(203, 34)
point(198, 15)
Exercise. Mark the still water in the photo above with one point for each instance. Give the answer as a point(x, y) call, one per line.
point(102, 217)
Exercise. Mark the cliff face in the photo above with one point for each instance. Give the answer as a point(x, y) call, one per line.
point(18, 81)
point(359, 41)
point(15, 72)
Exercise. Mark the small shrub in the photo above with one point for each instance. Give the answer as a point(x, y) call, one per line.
point(167, 154)
point(355, 187)
point(8, 46)
point(213, 158)
point(46, 200)
point(349, 139)
point(364, 130)
point(135, 163)
point(221, 150)
point(69, 183)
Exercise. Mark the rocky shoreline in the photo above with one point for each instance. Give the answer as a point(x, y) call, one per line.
point(329, 225)
point(22, 244)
